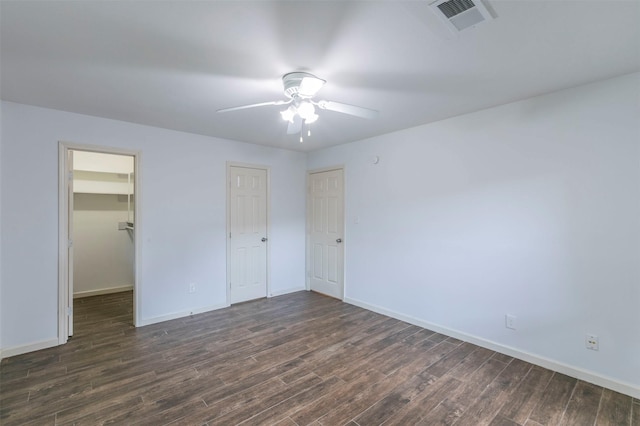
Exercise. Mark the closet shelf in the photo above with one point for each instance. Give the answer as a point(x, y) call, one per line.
point(97, 187)
point(102, 183)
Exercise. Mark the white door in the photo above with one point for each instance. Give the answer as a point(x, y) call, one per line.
point(70, 244)
point(247, 233)
point(325, 224)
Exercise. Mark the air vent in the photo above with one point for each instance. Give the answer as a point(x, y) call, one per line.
point(458, 15)
point(455, 7)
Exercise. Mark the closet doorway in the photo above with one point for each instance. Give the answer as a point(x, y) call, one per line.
point(98, 232)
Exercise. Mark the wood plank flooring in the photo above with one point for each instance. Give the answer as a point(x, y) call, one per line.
point(298, 359)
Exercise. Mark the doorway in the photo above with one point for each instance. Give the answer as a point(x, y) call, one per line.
point(247, 235)
point(98, 241)
point(325, 229)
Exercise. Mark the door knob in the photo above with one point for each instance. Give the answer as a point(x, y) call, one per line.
point(264, 239)
point(339, 240)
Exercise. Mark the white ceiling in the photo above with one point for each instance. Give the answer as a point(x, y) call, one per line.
point(172, 64)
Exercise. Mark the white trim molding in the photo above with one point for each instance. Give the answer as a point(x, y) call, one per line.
point(182, 314)
point(99, 292)
point(287, 291)
point(569, 370)
point(31, 347)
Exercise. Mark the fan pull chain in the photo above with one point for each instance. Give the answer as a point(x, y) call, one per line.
point(302, 131)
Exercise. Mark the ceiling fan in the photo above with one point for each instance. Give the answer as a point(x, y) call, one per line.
point(300, 87)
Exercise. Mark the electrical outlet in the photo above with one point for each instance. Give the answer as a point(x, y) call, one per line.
point(192, 288)
point(591, 342)
point(510, 321)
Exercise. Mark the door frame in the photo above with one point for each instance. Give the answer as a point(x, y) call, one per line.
point(227, 181)
point(63, 229)
point(307, 277)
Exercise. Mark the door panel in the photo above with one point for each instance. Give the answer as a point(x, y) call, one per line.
point(247, 233)
point(70, 243)
point(326, 224)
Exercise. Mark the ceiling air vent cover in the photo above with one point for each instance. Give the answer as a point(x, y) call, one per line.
point(459, 15)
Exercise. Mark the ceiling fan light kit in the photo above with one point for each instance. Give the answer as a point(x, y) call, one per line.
point(300, 87)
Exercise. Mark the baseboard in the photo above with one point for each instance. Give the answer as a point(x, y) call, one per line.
point(31, 347)
point(88, 293)
point(19, 350)
point(176, 315)
point(286, 291)
point(578, 373)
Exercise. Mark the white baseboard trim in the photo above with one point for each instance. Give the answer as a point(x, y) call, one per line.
point(286, 291)
point(176, 315)
point(578, 373)
point(31, 347)
point(88, 293)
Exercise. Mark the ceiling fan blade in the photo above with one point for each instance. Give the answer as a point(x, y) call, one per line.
point(348, 109)
point(294, 126)
point(254, 106)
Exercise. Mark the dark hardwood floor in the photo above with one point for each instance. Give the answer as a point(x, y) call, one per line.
point(299, 359)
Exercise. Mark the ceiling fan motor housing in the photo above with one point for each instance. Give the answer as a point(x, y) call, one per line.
point(292, 82)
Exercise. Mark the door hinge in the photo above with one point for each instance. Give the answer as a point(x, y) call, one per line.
point(69, 243)
point(229, 234)
point(69, 311)
point(70, 176)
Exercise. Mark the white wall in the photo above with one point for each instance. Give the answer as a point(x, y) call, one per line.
point(1, 226)
point(182, 202)
point(531, 209)
point(103, 255)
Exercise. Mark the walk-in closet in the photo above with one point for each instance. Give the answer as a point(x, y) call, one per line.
point(102, 227)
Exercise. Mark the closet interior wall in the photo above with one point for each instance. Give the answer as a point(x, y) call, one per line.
point(102, 223)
